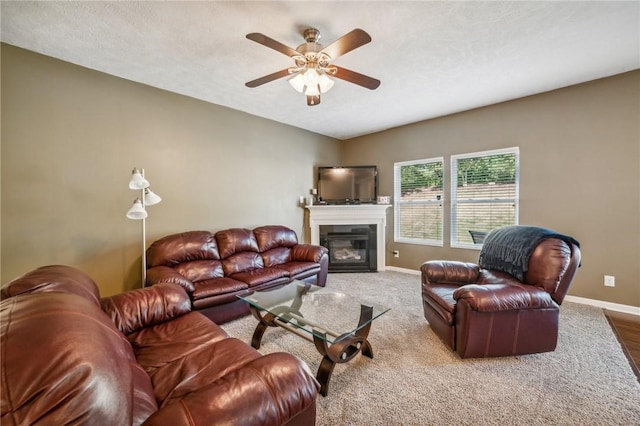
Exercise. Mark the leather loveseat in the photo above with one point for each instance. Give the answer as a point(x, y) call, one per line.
point(215, 268)
point(508, 304)
point(140, 357)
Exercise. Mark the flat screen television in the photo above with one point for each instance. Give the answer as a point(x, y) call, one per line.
point(348, 185)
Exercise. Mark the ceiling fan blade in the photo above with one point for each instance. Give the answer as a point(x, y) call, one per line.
point(356, 78)
point(347, 43)
point(273, 44)
point(267, 78)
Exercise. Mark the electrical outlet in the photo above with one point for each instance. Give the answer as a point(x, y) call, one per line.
point(609, 281)
point(301, 199)
point(396, 253)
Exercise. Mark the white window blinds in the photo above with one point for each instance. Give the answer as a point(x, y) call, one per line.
point(484, 193)
point(418, 201)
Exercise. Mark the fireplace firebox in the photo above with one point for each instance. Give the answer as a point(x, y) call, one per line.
point(352, 248)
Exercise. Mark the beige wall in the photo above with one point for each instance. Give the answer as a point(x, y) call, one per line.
point(70, 137)
point(579, 173)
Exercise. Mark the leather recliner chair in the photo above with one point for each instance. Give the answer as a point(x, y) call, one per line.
point(483, 310)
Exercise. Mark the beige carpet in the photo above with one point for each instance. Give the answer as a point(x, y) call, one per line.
point(414, 379)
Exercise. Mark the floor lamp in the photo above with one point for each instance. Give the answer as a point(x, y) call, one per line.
point(138, 210)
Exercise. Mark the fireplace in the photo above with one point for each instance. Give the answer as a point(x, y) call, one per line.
point(365, 224)
point(352, 248)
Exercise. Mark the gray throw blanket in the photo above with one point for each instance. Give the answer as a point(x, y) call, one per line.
point(508, 249)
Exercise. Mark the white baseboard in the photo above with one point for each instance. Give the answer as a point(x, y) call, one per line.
point(634, 310)
point(406, 271)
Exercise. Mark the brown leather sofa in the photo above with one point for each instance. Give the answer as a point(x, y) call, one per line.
point(483, 311)
point(215, 268)
point(140, 357)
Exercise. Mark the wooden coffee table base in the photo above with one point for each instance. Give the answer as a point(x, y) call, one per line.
point(344, 348)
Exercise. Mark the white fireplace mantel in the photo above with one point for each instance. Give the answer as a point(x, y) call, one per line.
point(352, 214)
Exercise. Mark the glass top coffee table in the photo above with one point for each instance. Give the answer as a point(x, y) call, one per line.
point(336, 323)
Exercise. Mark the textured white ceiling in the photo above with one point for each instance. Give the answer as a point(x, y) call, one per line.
point(433, 58)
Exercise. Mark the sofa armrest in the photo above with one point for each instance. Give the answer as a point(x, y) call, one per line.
point(164, 274)
point(503, 297)
point(308, 252)
point(133, 310)
point(449, 272)
point(269, 390)
point(56, 278)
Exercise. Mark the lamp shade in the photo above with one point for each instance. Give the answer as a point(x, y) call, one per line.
point(325, 83)
point(150, 197)
point(311, 77)
point(313, 90)
point(297, 82)
point(137, 211)
point(137, 180)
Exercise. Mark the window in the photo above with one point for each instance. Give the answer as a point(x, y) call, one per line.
point(484, 193)
point(418, 201)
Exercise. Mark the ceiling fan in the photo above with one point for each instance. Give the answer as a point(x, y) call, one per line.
point(313, 68)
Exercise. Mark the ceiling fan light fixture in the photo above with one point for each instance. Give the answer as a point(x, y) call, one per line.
point(312, 90)
point(311, 83)
point(313, 72)
point(311, 77)
point(325, 83)
point(297, 82)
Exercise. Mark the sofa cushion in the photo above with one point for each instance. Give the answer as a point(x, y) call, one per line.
point(242, 262)
point(272, 236)
point(260, 276)
point(183, 247)
point(81, 374)
point(235, 240)
point(440, 298)
point(186, 354)
point(294, 268)
point(202, 367)
point(503, 297)
point(269, 390)
point(221, 302)
point(276, 256)
point(216, 287)
point(200, 270)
